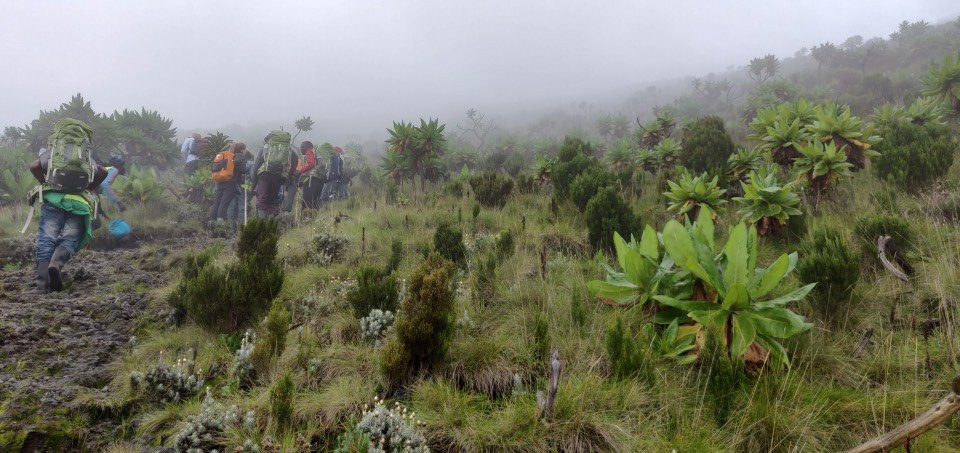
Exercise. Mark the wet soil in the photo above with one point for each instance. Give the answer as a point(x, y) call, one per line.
point(53, 346)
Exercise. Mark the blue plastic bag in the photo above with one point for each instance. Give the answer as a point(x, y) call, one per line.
point(119, 228)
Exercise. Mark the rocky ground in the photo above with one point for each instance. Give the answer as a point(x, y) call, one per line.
point(53, 346)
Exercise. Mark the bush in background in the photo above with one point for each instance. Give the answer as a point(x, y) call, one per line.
point(491, 189)
point(913, 156)
point(706, 146)
point(448, 242)
point(828, 261)
point(607, 213)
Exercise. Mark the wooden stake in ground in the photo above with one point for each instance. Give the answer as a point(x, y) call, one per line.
point(939, 413)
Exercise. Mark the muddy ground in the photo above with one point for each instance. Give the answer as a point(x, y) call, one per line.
point(54, 346)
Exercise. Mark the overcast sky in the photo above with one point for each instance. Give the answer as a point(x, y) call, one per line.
point(355, 65)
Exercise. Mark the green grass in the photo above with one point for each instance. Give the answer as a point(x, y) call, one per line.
point(484, 397)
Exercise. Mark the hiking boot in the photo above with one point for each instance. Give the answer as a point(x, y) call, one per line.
point(60, 257)
point(42, 279)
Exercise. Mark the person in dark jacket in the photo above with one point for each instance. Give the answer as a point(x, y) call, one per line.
point(313, 181)
point(332, 186)
point(268, 184)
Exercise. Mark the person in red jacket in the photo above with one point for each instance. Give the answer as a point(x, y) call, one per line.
point(308, 160)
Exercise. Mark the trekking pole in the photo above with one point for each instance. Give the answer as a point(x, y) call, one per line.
point(244, 205)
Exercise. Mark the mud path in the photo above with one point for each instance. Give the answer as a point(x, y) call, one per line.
point(53, 346)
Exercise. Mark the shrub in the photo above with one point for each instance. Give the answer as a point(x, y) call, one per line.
point(168, 383)
point(913, 156)
point(396, 256)
point(574, 158)
point(231, 298)
point(706, 146)
point(608, 213)
point(588, 183)
point(373, 290)
point(375, 325)
point(629, 355)
point(242, 369)
point(328, 248)
point(491, 189)
point(870, 227)
point(281, 403)
point(527, 184)
point(207, 430)
point(448, 242)
point(276, 327)
point(504, 245)
point(828, 261)
point(385, 429)
point(425, 324)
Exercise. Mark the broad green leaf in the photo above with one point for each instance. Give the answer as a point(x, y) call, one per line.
point(704, 225)
point(777, 352)
point(671, 331)
point(743, 334)
point(714, 317)
point(649, 245)
point(783, 300)
point(735, 271)
point(621, 247)
point(772, 276)
point(736, 297)
point(677, 242)
point(778, 322)
point(619, 292)
point(686, 305)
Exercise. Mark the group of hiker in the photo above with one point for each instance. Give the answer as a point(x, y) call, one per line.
point(70, 182)
point(276, 174)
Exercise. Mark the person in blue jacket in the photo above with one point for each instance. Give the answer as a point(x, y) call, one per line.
point(117, 166)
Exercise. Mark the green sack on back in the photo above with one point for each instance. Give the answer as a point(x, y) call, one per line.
point(276, 158)
point(70, 167)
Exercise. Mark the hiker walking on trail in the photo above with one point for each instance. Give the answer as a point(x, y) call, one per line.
point(275, 164)
point(331, 188)
point(314, 179)
point(227, 170)
point(190, 151)
point(117, 166)
point(307, 162)
point(68, 176)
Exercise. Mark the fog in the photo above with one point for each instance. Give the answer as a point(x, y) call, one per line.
point(356, 65)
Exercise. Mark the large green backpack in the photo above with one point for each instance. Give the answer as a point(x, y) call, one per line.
point(276, 158)
point(70, 167)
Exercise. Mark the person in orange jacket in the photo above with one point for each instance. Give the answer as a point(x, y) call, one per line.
point(308, 160)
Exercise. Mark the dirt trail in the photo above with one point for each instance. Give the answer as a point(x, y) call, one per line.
point(52, 346)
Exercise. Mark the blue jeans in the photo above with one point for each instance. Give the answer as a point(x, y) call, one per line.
point(58, 228)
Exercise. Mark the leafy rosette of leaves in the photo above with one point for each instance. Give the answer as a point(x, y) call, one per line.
point(690, 193)
point(737, 291)
point(646, 272)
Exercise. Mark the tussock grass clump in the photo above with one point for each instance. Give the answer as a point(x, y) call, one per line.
point(425, 324)
point(871, 226)
point(725, 377)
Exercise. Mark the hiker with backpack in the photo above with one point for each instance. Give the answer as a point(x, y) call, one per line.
point(190, 151)
point(275, 164)
point(313, 180)
point(226, 172)
point(307, 162)
point(331, 188)
point(68, 177)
